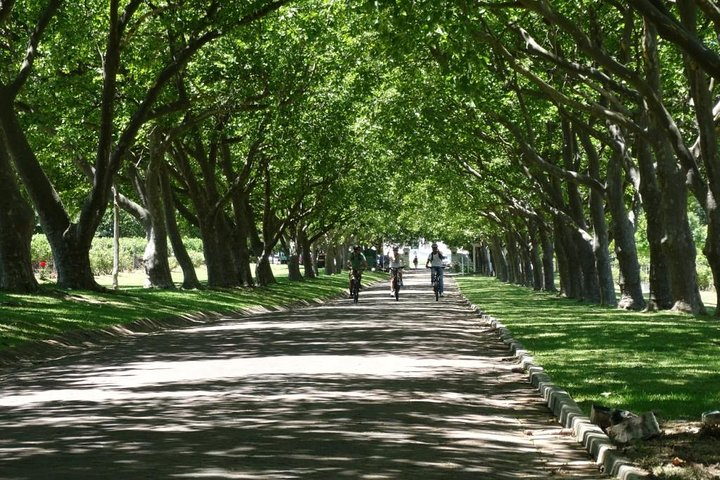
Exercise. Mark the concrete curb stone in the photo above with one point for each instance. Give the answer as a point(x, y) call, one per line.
point(570, 416)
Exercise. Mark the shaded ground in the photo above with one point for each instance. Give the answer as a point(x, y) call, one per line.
point(414, 389)
point(684, 451)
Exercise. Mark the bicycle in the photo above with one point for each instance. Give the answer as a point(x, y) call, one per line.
point(355, 277)
point(395, 281)
point(434, 279)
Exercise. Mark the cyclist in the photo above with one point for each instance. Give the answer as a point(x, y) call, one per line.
point(435, 262)
point(357, 264)
point(396, 261)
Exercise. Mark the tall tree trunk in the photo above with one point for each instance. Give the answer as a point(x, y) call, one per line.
point(156, 255)
point(678, 243)
point(527, 264)
point(220, 260)
point(116, 240)
point(631, 296)
point(571, 273)
point(330, 256)
point(17, 223)
point(242, 234)
point(548, 256)
point(537, 265)
point(600, 242)
point(190, 278)
point(513, 259)
point(499, 259)
point(660, 293)
point(308, 256)
point(69, 242)
point(583, 246)
point(708, 146)
point(263, 271)
point(294, 273)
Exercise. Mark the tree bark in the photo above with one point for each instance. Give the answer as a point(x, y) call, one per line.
point(263, 271)
point(678, 243)
point(330, 258)
point(67, 240)
point(308, 256)
point(708, 145)
point(536, 261)
point(116, 240)
point(190, 278)
point(295, 251)
point(499, 259)
point(589, 284)
point(548, 256)
point(17, 223)
point(631, 295)
point(156, 255)
point(600, 242)
point(513, 259)
point(571, 272)
point(242, 233)
point(660, 293)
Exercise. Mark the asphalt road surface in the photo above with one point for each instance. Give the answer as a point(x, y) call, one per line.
point(382, 389)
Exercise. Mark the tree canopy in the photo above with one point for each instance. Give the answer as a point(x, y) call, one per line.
point(537, 134)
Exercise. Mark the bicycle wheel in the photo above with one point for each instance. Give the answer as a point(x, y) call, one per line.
point(435, 289)
point(396, 288)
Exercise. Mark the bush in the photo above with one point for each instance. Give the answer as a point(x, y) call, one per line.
point(40, 250)
point(101, 253)
point(704, 274)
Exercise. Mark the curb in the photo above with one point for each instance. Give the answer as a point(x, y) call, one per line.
point(570, 416)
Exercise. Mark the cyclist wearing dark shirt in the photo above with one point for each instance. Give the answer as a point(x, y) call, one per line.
point(435, 261)
point(356, 263)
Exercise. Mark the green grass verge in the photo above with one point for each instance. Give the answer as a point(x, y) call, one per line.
point(664, 362)
point(52, 312)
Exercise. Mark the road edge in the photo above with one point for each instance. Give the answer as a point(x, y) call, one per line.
point(569, 415)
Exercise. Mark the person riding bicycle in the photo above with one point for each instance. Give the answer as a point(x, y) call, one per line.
point(396, 261)
point(435, 262)
point(357, 264)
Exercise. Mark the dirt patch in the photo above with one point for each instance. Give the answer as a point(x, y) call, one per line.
point(685, 451)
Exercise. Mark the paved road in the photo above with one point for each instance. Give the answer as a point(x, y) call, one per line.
point(414, 389)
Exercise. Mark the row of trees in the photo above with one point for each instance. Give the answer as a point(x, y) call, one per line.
point(543, 129)
point(570, 121)
point(230, 119)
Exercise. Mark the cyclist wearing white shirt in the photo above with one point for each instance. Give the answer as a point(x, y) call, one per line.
point(435, 262)
point(396, 261)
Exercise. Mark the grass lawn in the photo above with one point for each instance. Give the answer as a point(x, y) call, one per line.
point(665, 362)
point(52, 311)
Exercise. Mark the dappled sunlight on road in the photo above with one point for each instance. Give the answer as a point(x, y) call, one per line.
point(381, 389)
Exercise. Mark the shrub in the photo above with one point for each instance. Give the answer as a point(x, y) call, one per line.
point(40, 250)
point(101, 253)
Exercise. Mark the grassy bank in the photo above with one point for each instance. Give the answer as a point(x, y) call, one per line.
point(52, 312)
point(664, 362)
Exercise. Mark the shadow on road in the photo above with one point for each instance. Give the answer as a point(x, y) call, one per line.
point(412, 389)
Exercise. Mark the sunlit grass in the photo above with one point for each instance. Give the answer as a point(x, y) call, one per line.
point(52, 311)
point(665, 362)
